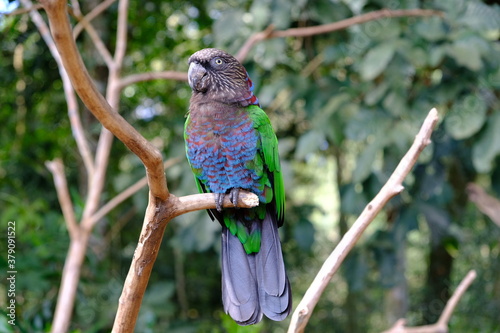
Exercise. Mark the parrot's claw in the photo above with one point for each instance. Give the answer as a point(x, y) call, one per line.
point(234, 194)
point(219, 201)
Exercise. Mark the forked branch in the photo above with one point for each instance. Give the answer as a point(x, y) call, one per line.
point(441, 326)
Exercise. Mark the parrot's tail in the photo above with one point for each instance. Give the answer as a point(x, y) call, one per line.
point(255, 284)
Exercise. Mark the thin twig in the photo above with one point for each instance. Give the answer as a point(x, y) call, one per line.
point(392, 187)
point(149, 76)
point(121, 33)
point(90, 16)
point(56, 167)
point(330, 27)
point(96, 40)
point(488, 205)
point(444, 319)
point(441, 326)
point(245, 49)
point(75, 7)
point(127, 193)
point(21, 11)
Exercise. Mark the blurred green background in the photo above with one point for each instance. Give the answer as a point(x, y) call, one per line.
point(345, 106)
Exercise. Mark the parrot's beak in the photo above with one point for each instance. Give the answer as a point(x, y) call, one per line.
point(196, 73)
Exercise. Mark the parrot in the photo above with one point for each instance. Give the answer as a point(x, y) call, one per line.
point(231, 146)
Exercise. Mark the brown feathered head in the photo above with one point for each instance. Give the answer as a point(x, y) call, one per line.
point(218, 76)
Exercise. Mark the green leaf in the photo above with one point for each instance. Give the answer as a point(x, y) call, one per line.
point(364, 163)
point(228, 26)
point(481, 17)
point(395, 103)
point(376, 60)
point(374, 95)
point(366, 123)
point(432, 29)
point(465, 55)
point(304, 234)
point(309, 143)
point(436, 55)
point(355, 5)
point(466, 117)
point(487, 148)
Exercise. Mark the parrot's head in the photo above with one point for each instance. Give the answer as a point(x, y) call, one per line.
point(218, 76)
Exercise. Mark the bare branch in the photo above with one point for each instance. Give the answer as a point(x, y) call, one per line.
point(96, 103)
point(56, 167)
point(444, 319)
point(21, 11)
point(194, 202)
point(245, 49)
point(149, 76)
point(121, 32)
point(330, 27)
point(488, 205)
point(75, 7)
point(441, 326)
point(392, 187)
point(90, 16)
point(96, 40)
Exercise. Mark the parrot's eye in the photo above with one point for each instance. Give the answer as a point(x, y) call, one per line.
point(218, 61)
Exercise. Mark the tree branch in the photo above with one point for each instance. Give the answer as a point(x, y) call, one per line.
point(127, 193)
point(392, 187)
point(96, 39)
point(90, 16)
point(441, 326)
point(121, 34)
point(95, 102)
point(149, 76)
point(268, 33)
point(21, 11)
point(56, 167)
point(488, 205)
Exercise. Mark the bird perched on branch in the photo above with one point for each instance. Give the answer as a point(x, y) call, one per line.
point(231, 145)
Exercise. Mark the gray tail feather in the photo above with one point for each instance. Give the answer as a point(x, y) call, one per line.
point(274, 288)
point(255, 284)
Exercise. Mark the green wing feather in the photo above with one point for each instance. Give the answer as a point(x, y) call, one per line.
point(269, 148)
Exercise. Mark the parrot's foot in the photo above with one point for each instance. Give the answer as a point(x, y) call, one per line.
point(219, 200)
point(234, 194)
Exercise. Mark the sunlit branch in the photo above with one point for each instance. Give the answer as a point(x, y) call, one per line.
point(56, 167)
point(90, 16)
